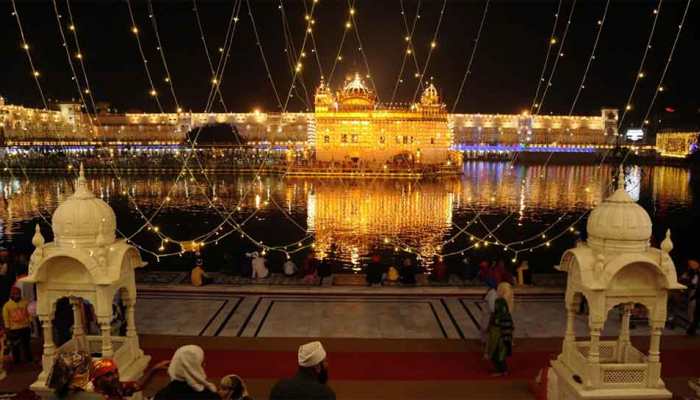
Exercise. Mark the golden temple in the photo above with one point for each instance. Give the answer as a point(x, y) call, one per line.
point(351, 125)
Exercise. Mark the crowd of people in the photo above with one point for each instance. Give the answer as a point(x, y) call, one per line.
point(75, 374)
point(256, 266)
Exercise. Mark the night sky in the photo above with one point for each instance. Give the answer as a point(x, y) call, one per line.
point(504, 76)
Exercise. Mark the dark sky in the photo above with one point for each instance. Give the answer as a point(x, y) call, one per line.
point(505, 72)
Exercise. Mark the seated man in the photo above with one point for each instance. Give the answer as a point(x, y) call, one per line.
point(375, 271)
point(105, 379)
point(311, 380)
point(198, 276)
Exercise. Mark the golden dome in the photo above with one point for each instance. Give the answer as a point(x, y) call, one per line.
point(430, 96)
point(356, 93)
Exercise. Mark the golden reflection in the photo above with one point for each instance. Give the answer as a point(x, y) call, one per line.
point(354, 216)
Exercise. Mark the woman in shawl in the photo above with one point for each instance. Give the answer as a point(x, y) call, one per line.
point(70, 374)
point(188, 381)
point(500, 337)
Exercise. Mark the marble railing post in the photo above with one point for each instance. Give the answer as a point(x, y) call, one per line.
point(106, 329)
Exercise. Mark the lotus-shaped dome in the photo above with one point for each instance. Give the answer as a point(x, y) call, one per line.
point(356, 87)
point(83, 220)
point(619, 224)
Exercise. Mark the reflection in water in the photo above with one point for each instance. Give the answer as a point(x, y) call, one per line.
point(356, 216)
point(350, 218)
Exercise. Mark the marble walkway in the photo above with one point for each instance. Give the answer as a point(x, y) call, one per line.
point(349, 316)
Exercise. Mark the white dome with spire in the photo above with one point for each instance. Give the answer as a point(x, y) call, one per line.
point(619, 224)
point(83, 220)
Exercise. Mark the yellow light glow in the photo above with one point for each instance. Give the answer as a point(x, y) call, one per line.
point(153, 92)
point(433, 44)
point(25, 46)
point(348, 25)
point(134, 30)
point(36, 73)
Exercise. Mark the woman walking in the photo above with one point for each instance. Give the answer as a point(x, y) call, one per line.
point(500, 338)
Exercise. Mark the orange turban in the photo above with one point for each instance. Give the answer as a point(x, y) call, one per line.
point(103, 367)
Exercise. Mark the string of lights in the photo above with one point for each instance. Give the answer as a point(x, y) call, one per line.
point(298, 65)
point(582, 85)
point(409, 39)
point(339, 54)
point(314, 49)
point(468, 71)
point(202, 35)
point(431, 48)
point(258, 43)
point(550, 45)
point(294, 61)
point(25, 46)
point(135, 30)
point(640, 72)
point(559, 56)
point(352, 24)
point(660, 85)
point(168, 76)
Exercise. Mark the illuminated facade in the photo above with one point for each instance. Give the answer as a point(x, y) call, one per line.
point(352, 126)
point(676, 144)
point(350, 112)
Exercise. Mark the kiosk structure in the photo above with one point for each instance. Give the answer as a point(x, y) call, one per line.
point(615, 268)
point(86, 263)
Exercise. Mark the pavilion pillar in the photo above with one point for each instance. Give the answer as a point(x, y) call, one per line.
point(623, 341)
point(78, 328)
point(49, 350)
point(594, 357)
point(570, 335)
point(130, 318)
point(106, 328)
point(654, 363)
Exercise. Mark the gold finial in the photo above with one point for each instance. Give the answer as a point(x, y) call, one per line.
point(621, 178)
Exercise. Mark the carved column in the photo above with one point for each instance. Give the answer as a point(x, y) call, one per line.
point(78, 328)
point(594, 357)
point(106, 329)
point(49, 351)
point(654, 364)
point(623, 341)
point(130, 318)
point(570, 335)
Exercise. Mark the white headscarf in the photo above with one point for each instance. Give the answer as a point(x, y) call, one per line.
point(186, 365)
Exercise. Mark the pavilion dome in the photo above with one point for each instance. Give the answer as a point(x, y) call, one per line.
point(83, 220)
point(619, 224)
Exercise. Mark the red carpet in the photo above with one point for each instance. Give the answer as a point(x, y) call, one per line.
point(402, 365)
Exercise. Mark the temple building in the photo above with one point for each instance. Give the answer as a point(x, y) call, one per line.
point(351, 125)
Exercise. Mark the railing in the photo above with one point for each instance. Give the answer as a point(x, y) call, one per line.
point(623, 375)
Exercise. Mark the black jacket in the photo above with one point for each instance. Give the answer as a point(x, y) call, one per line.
point(303, 386)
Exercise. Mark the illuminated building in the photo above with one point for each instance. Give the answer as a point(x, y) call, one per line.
point(352, 125)
point(676, 144)
point(68, 124)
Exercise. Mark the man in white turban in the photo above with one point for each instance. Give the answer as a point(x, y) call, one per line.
point(310, 381)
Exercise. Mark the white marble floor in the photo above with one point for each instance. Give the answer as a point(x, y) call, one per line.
point(348, 316)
